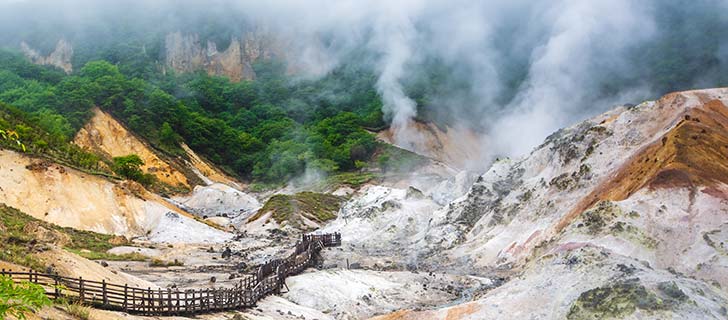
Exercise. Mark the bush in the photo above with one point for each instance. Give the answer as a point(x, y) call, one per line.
point(19, 299)
point(129, 167)
point(78, 310)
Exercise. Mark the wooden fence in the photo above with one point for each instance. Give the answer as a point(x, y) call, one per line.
point(269, 279)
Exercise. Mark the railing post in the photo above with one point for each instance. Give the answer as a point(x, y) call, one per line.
point(80, 289)
point(126, 295)
point(148, 301)
point(169, 300)
point(207, 299)
point(103, 292)
point(178, 302)
point(133, 299)
point(186, 302)
point(56, 290)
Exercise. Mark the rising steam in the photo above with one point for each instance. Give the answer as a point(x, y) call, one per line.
point(517, 69)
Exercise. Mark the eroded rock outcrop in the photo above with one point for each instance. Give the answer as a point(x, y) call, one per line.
point(187, 53)
point(60, 57)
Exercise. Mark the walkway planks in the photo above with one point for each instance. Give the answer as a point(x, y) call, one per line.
point(269, 279)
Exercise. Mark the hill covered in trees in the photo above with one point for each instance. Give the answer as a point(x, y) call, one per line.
point(269, 130)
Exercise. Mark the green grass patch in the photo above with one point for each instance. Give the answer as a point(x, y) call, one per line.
point(289, 209)
point(95, 255)
point(351, 179)
point(622, 298)
point(78, 310)
point(390, 158)
point(262, 187)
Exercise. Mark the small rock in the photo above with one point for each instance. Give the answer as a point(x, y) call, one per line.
point(118, 240)
point(414, 193)
point(104, 264)
point(213, 279)
point(227, 253)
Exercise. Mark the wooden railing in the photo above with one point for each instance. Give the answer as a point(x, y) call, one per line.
point(268, 279)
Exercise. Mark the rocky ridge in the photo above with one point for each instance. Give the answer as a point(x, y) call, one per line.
point(187, 53)
point(60, 57)
point(622, 215)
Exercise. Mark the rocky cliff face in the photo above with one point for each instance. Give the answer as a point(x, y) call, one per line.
point(186, 53)
point(69, 198)
point(106, 136)
point(60, 57)
point(621, 216)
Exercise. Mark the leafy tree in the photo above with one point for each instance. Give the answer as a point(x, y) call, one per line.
point(130, 167)
point(19, 299)
point(269, 129)
point(168, 137)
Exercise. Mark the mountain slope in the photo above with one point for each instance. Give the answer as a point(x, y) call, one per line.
point(105, 135)
point(623, 215)
point(70, 198)
point(676, 144)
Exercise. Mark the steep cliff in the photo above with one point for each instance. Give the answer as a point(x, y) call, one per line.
point(60, 57)
point(106, 136)
point(187, 53)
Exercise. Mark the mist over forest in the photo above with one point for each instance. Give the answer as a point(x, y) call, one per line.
point(512, 71)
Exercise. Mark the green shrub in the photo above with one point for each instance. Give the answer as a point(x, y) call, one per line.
point(129, 167)
point(19, 299)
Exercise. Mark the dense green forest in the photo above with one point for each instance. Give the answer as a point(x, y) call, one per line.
point(269, 130)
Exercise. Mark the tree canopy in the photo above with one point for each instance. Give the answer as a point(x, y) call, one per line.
point(270, 129)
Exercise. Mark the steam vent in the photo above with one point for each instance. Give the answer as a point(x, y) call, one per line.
point(345, 160)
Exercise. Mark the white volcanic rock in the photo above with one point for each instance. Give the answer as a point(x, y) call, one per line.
point(359, 294)
point(174, 228)
point(626, 206)
point(383, 221)
point(584, 282)
point(519, 204)
point(277, 308)
point(218, 199)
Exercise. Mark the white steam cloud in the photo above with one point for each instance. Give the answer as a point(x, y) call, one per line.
point(564, 44)
point(520, 69)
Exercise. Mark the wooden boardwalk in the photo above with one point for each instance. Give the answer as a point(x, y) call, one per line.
point(269, 279)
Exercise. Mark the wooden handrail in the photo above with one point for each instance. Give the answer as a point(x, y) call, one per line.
point(269, 278)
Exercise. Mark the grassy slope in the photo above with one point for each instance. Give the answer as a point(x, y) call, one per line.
point(289, 209)
point(16, 243)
